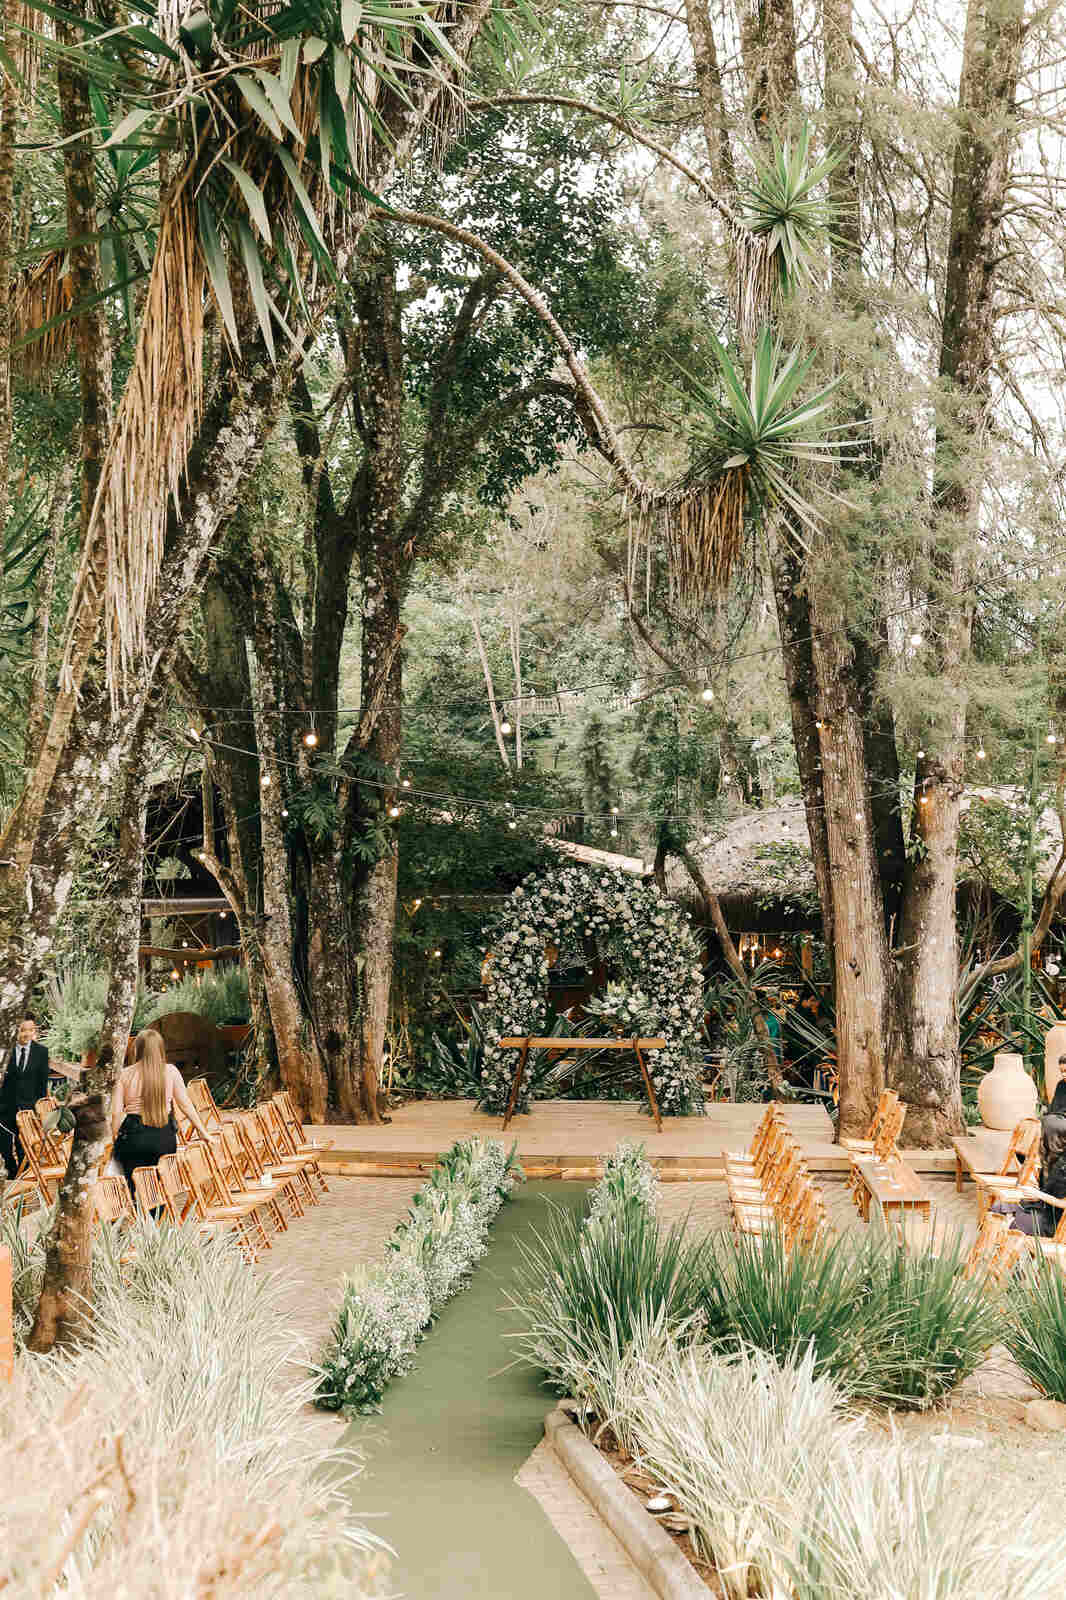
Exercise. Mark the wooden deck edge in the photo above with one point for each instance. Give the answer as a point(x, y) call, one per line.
point(670, 1169)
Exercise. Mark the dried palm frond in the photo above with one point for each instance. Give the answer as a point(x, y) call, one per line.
point(41, 315)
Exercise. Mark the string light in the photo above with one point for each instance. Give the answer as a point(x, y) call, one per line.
point(405, 783)
point(614, 833)
point(505, 726)
point(916, 639)
point(614, 811)
point(981, 755)
point(310, 738)
point(921, 755)
point(707, 696)
point(284, 812)
point(264, 782)
point(512, 824)
point(175, 974)
point(706, 839)
point(394, 811)
point(1052, 738)
point(437, 954)
point(194, 733)
point(923, 799)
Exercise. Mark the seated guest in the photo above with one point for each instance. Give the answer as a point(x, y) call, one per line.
point(1035, 1216)
point(25, 1082)
point(142, 1106)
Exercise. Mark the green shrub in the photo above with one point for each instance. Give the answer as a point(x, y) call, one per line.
point(221, 996)
point(887, 1325)
point(76, 996)
point(583, 1289)
point(1036, 1327)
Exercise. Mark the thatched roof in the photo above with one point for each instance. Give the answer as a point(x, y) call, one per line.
point(760, 864)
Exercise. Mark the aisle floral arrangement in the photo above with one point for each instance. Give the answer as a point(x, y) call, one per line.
point(387, 1308)
point(633, 924)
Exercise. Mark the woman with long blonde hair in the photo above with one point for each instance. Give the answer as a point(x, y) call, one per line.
point(142, 1106)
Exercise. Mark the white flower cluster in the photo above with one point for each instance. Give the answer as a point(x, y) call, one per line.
point(650, 938)
point(628, 1180)
point(386, 1308)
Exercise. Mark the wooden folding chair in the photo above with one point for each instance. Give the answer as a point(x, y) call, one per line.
point(230, 1169)
point(297, 1167)
point(257, 1160)
point(1002, 1189)
point(112, 1201)
point(207, 1206)
point(883, 1148)
point(289, 1147)
point(298, 1142)
point(45, 1158)
point(865, 1145)
point(199, 1091)
point(152, 1196)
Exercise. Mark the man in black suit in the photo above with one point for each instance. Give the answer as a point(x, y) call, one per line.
point(25, 1082)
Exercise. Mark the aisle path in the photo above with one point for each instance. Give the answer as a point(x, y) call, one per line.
point(441, 1460)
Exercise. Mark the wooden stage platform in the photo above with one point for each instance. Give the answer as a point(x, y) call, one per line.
point(569, 1138)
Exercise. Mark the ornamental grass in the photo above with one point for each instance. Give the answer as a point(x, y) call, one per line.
point(586, 1289)
point(1035, 1331)
point(166, 1456)
point(888, 1325)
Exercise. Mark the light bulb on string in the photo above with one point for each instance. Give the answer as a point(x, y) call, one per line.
point(505, 726)
point(405, 783)
point(916, 639)
point(706, 839)
point(512, 824)
point(394, 811)
point(707, 695)
point(614, 811)
point(981, 754)
point(264, 782)
point(1052, 738)
point(284, 812)
point(194, 733)
point(614, 833)
point(310, 738)
point(921, 755)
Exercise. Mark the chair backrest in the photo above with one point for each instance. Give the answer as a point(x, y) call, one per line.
point(281, 1133)
point(891, 1128)
point(203, 1179)
point(112, 1201)
point(267, 1144)
point(200, 1094)
point(287, 1106)
point(1029, 1171)
point(886, 1100)
point(993, 1227)
point(178, 1199)
point(1025, 1134)
point(46, 1104)
point(150, 1192)
point(45, 1160)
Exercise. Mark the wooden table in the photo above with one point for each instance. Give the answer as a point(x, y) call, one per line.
point(982, 1151)
point(565, 1046)
point(894, 1187)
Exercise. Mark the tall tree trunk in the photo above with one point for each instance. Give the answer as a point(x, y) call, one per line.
point(10, 120)
point(927, 1071)
point(64, 1308)
point(46, 584)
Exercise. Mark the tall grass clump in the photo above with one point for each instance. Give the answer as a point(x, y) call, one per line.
point(386, 1308)
point(583, 1290)
point(792, 1497)
point(887, 1325)
point(1035, 1332)
point(166, 1456)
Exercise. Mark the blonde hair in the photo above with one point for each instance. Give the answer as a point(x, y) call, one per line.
point(150, 1055)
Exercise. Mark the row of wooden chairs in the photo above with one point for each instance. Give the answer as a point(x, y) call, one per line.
point(994, 1188)
point(770, 1185)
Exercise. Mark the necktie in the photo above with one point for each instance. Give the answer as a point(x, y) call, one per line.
point(22, 1059)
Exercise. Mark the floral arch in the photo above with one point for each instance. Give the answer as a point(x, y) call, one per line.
point(635, 926)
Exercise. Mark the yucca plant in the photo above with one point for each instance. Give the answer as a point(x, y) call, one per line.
point(746, 442)
point(791, 223)
point(581, 1290)
point(1035, 1332)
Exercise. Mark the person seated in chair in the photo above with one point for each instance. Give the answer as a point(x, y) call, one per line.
point(25, 1082)
point(1036, 1217)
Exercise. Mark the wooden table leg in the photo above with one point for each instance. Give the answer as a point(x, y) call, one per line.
point(517, 1084)
point(647, 1084)
point(958, 1173)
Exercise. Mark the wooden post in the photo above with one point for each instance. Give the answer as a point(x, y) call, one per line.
point(7, 1318)
point(516, 1085)
point(647, 1084)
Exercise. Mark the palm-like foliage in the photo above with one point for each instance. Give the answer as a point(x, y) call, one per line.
point(272, 121)
point(783, 223)
point(745, 453)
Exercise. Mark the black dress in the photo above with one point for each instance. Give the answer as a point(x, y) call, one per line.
point(138, 1144)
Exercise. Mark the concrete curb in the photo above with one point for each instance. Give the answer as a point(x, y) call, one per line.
point(649, 1547)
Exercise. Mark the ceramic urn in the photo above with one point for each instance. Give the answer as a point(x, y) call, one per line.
point(1006, 1094)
